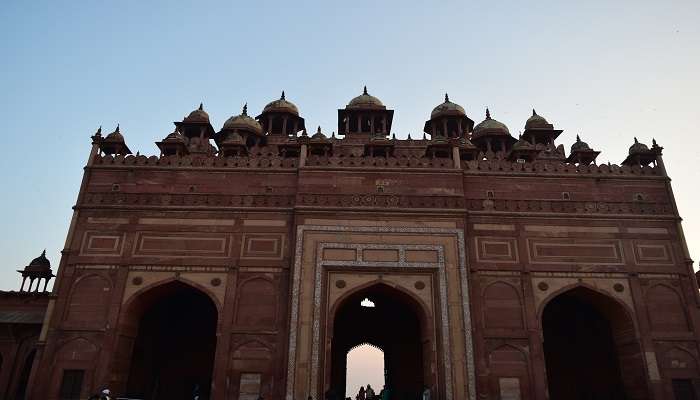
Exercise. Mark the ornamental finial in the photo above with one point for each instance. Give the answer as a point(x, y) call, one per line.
point(201, 106)
point(447, 98)
point(365, 90)
point(533, 112)
point(578, 138)
point(282, 97)
point(635, 140)
point(488, 114)
point(245, 109)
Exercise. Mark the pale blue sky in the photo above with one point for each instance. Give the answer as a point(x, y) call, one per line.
point(609, 70)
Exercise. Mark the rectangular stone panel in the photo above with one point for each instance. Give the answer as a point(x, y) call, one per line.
point(653, 252)
point(496, 249)
point(182, 245)
point(509, 388)
point(268, 246)
point(339, 254)
point(385, 255)
point(430, 256)
point(102, 243)
point(249, 387)
point(556, 251)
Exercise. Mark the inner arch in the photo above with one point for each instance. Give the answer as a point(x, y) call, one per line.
point(397, 325)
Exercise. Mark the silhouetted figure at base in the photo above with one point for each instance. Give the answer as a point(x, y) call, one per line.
point(369, 394)
point(426, 393)
point(104, 394)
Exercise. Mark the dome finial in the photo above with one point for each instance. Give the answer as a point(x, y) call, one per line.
point(282, 97)
point(533, 112)
point(245, 109)
point(201, 106)
point(578, 138)
point(99, 131)
point(635, 140)
point(447, 98)
point(365, 90)
point(117, 130)
point(488, 114)
point(653, 142)
point(318, 130)
point(43, 253)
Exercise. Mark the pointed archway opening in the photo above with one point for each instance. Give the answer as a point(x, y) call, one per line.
point(173, 334)
point(365, 367)
point(590, 348)
point(393, 321)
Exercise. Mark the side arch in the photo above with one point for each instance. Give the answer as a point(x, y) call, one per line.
point(608, 356)
point(88, 301)
point(257, 303)
point(137, 296)
point(628, 312)
point(503, 306)
point(665, 309)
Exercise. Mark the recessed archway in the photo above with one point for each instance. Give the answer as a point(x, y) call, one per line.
point(389, 319)
point(173, 335)
point(364, 366)
point(590, 348)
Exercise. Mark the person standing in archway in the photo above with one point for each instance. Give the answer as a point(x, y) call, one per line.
point(361, 394)
point(426, 393)
point(370, 393)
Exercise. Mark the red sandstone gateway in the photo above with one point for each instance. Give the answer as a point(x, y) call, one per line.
point(234, 264)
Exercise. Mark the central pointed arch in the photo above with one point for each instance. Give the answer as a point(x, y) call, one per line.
point(398, 324)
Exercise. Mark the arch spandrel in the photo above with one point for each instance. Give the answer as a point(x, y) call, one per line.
point(357, 282)
point(546, 288)
point(310, 288)
point(199, 281)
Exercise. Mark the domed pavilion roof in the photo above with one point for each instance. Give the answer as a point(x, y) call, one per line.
point(281, 105)
point(243, 122)
point(490, 126)
point(365, 101)
point(197, 116)
point(579, 145)
point(448, 108)
point(638, 147)
point(537, 121)
point(41, 261)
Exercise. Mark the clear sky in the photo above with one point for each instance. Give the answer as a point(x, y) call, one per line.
point(608, 70)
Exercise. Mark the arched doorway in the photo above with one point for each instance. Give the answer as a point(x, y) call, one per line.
point(364, 366)
point(393, 321)
point(590, 348)
point(174, 328)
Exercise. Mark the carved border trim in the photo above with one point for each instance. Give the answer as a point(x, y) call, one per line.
point(296, 283)
point(402, 263)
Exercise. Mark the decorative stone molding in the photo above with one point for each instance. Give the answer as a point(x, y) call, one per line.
point(296, 289)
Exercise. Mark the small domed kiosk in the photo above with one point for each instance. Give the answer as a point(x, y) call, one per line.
point(365, 115)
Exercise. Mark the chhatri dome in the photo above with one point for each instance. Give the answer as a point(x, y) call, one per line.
point(447, 108)
point(536, 121)
point(490, 126)
point(579, 145)
point(637, 147)
point(282, 105)
point(365, 101)
point(243, 122)
point(198, 115)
